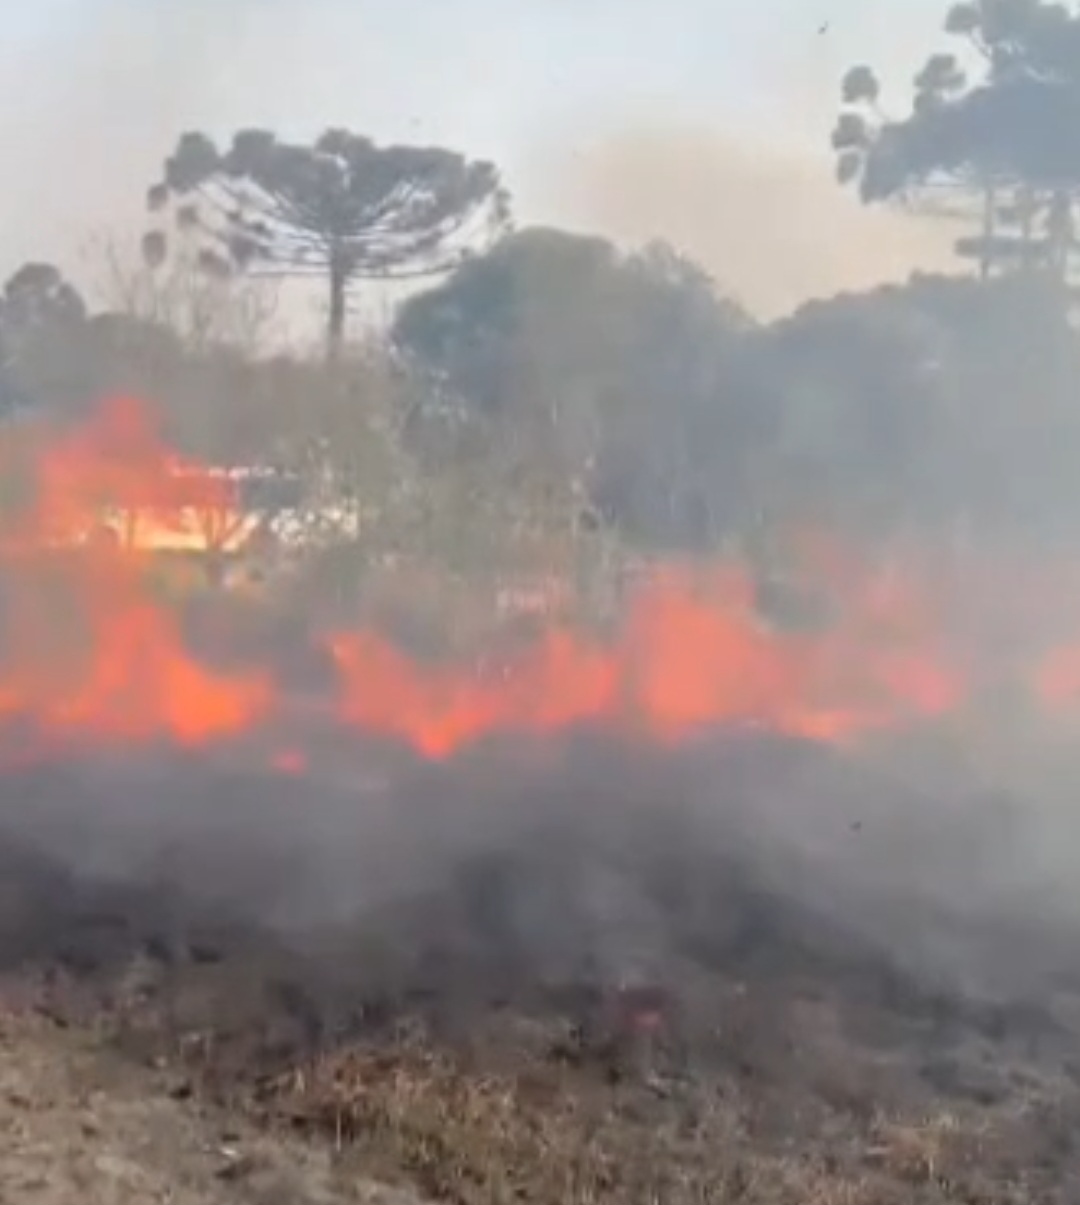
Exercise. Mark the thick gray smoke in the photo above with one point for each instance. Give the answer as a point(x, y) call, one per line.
point(516, 869)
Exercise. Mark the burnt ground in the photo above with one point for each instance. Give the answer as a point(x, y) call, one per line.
point(751, 972)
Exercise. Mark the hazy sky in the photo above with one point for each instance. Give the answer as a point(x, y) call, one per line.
point(94, 92)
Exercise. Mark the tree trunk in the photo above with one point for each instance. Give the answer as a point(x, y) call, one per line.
point(1060, 233)
point(1027, 228)
point(989, 230)
point(335, 327)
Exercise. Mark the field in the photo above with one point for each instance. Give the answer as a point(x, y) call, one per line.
point(562, 731)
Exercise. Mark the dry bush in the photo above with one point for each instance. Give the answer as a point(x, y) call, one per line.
point(467, 1136)
point(549, 1134)
point(408, 518)
point(204, 311)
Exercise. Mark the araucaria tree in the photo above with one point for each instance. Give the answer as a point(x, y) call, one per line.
point(341, 208)
point(993, 133)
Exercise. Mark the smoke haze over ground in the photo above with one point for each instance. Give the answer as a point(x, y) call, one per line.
point(602, 864)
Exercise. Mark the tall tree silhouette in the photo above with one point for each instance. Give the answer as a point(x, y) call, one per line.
point(340, 208)
point(993, 135)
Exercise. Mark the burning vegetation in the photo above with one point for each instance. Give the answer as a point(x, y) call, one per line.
point(584, 743)
point(523, 922)
point(94, 654)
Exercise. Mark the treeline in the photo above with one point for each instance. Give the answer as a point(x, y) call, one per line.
point(544, 386)
point(626, 389)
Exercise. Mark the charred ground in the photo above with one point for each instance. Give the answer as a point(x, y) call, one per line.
point(754, 970)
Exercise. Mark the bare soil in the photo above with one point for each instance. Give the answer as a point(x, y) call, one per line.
point(80, 1123)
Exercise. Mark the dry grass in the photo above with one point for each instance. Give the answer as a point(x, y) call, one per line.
point(79, 1125)
point(545, 1133)
point(470, 1137)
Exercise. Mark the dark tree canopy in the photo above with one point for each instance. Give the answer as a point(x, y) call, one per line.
point(471, 328)
point(575, 299)
point(1000, 142)
point(38, 295)
point(940, 404)
point(39, 312)
point(341, 208)
point(617, 360)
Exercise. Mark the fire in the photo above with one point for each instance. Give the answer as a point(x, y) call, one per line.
point(691, 654)
point(563, 681)
point(91, 655)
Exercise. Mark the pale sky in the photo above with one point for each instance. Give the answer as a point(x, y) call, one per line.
point(589, 106)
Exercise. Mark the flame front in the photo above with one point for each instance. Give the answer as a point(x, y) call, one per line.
point(90, 654)
point(691, 654)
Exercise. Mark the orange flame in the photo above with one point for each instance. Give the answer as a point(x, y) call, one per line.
point(692, 654)
point(108, 662)
point(91, 655)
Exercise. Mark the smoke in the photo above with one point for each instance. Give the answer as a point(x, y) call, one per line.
point(95, 94)
point(770, 224)
point(99, 95)
point(513, 869)
point(565, 857)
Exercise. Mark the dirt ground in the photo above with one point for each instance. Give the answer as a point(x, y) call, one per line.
point(79, 1123)
point(401, 1123)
